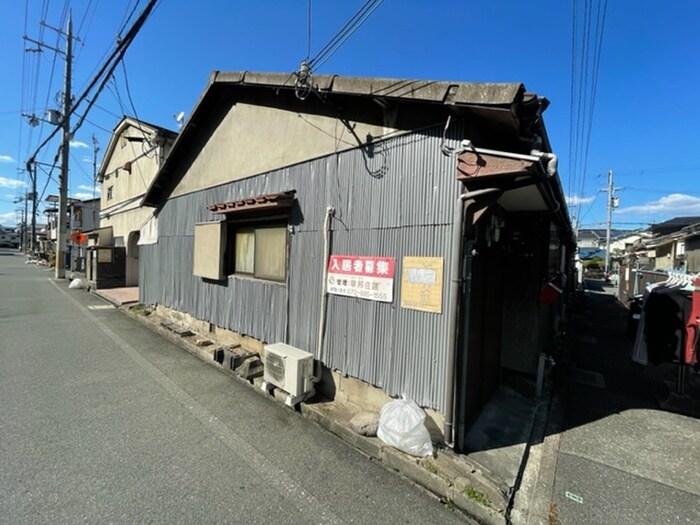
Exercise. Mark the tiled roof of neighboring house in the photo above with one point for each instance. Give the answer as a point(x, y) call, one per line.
point(601, 233)
point(673, 224)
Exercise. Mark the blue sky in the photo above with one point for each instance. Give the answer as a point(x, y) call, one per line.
point(645, 120)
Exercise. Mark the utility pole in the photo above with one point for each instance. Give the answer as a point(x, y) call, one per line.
point(95, 149)
point(24, 225)
point(62, 233)
point(612, 203)
point(32, 242)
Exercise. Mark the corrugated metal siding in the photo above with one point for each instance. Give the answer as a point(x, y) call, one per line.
point(398, 203)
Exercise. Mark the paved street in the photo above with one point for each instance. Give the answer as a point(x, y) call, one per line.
point(622, 460)
point(103, 421)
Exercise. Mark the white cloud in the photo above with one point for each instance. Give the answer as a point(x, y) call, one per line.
point(83, 195)
point(78, 144)
point(11, 183)
point(8, 219)
point(85, 187)
point(6, 158)
point(575, 200)
point(87, 159)
point(676, 204)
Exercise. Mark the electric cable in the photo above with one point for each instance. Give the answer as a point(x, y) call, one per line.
point(308, 25)
point(145, 134)
point(586, 53)
point(105, 71)
point(348, 25)
point(341, 36)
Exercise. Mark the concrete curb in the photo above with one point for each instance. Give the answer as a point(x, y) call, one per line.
point(450, 490)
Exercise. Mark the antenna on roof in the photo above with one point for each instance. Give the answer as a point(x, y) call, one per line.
point(179, 118)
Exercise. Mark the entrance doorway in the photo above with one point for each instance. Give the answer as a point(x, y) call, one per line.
point(132, 259)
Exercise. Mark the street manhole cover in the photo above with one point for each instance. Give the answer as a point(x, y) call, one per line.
point(585, 377)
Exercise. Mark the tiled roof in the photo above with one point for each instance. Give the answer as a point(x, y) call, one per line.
point(260, 202)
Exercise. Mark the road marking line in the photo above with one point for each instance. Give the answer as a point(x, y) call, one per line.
point(573, 497)
point(272, 475)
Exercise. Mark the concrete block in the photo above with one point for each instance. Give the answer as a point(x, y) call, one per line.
point(183, 332)
point(229, 355)
point(250, 368)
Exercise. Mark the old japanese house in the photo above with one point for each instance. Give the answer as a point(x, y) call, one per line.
point(430, 211)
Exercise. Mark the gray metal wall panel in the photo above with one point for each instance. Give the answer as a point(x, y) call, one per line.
point(397, 203)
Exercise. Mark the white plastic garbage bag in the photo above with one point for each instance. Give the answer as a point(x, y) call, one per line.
point(401, 425)
point(76, 284)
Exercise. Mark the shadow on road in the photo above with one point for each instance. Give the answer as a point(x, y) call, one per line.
point(595, 372)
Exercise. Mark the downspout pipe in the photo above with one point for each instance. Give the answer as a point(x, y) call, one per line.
point(453, 301)
point(330, 212)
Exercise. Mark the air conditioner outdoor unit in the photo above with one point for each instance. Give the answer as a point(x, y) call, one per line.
point(289, 369)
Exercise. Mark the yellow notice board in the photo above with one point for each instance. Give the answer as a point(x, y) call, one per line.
point(421, 284)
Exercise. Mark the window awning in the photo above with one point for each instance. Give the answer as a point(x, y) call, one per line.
point(268, 202)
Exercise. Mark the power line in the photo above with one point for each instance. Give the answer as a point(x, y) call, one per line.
point(105, 72)
point(308, 25)
point(98, 126)
point(586, 53)
point(108, 111)
point(347, 30)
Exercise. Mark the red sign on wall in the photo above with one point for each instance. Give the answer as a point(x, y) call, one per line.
point(365, 277)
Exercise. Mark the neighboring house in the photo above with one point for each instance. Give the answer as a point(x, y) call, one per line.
point(672, 225)
point(591, 242)
point(84, 216)
point(9, 237)
point(81, 216)
point(692, 248)
point(269, 197)
point(670, 245)
point(680, 249)
point(624, 242)
point(587, 238)
point(132, 158)
point(51, 212)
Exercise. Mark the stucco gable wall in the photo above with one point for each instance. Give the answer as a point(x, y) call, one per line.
point(251, 140)
point(121, 211)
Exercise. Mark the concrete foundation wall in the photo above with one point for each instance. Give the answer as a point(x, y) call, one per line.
point(333, 385)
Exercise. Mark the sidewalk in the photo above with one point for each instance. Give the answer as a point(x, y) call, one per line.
point(120, 296)
point(622, 456)
point(482, 483)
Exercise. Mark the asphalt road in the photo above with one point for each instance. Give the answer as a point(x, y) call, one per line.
point(103, 421)
point(622, 459)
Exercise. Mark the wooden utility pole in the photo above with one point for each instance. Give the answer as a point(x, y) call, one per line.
point(62, 231)
point(32, 242)
point(612, 204)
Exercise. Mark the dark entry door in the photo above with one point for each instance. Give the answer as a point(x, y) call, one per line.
point(479, 361)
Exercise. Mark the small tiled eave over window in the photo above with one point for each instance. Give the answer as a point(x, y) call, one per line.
point(251, 240)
